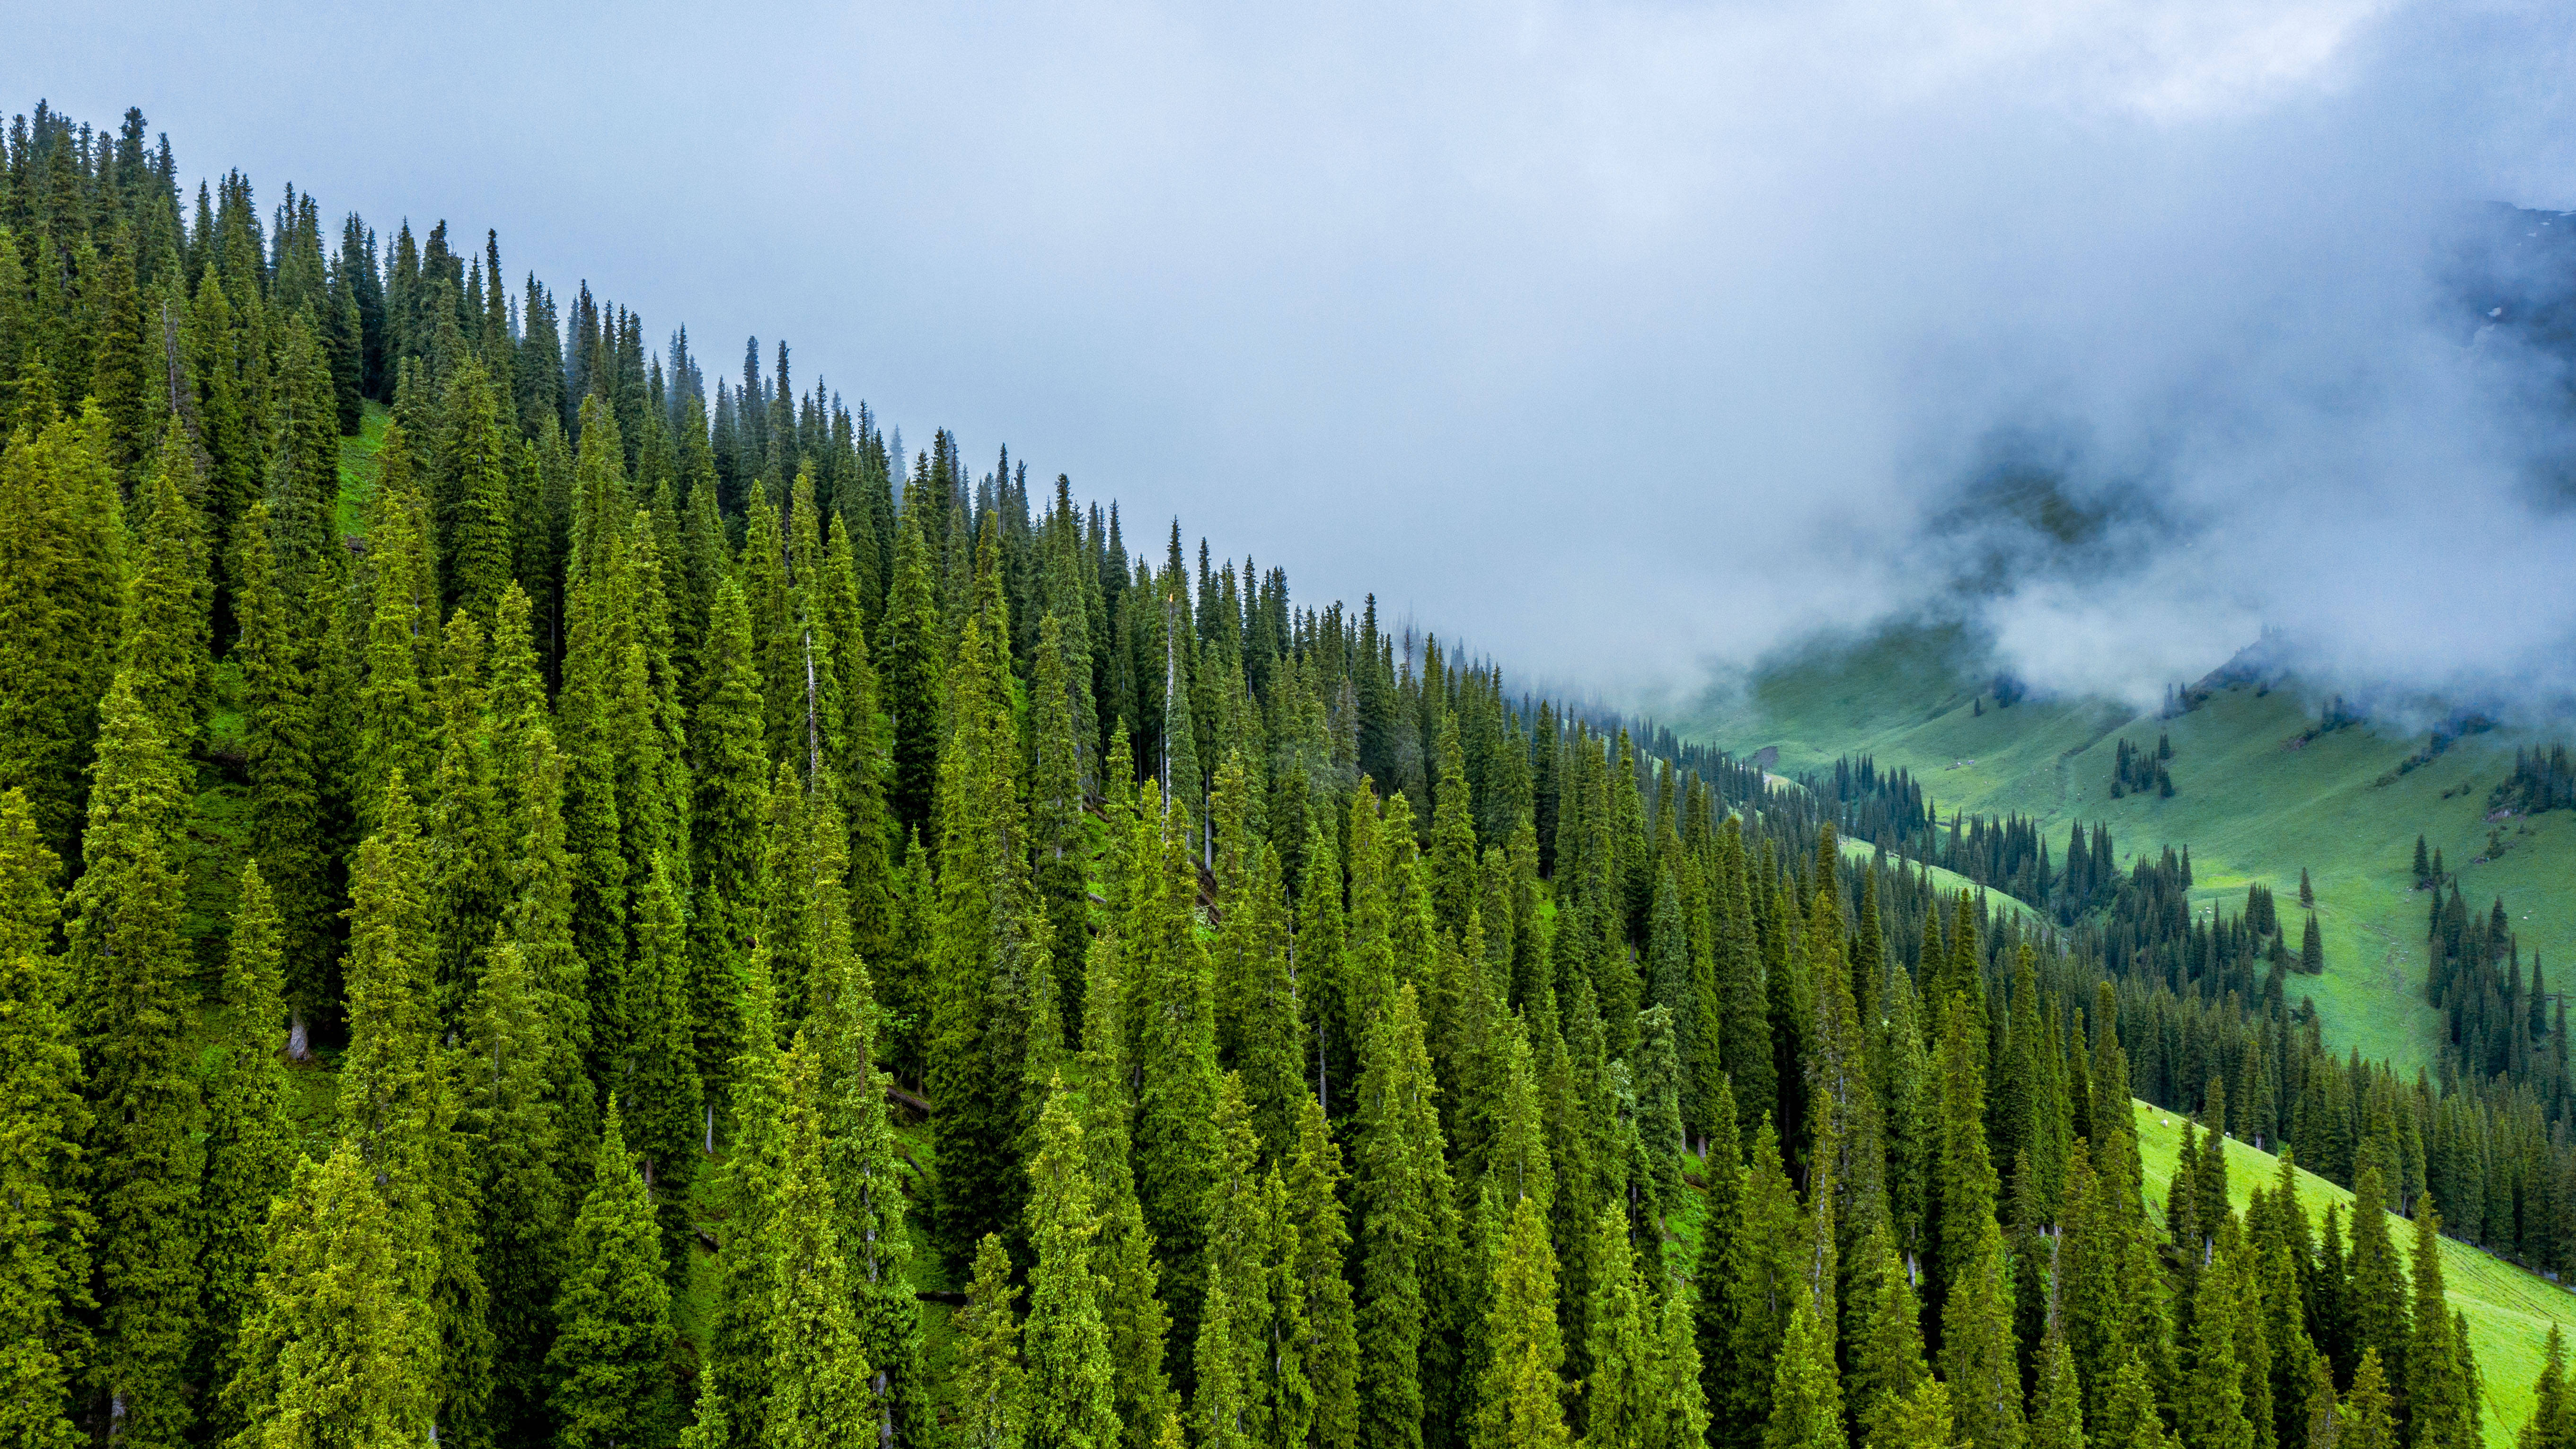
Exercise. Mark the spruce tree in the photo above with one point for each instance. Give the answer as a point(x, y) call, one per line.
point(62, 536)
point(2367, 1421)
point(340, 1352)
point(2056, 1401)
point(2441, 1391)
point(163, 644)
point(1806, 1395)
point(1331, 1352)
point(1886, 1341)
point(2129, 1419)
point(2210, 1407)
point(1133, 1307)
point(145, 1164)
point(1172, 1047)
point(399, 1107)
point(1520, 1405)
point(1747, 1052)
point(273, 654)
point(1071, 1394)
point(736, 1381)
point(660, 1072)
point(45, 1224)
point(2376, 1295)
point(506, 1102)
point(1746, 1315)
point(991, 1385)
point(1659, 1116)
point(1677, 1410)
point(1979, 1360)
point(250, 1138)
point(1619, 1395)
point(1404, 1199)
point(867, 1187)
point(2549, 1424)
point(731, 778)
point(818, 1378)
point(610, 1358)
point(989, 949)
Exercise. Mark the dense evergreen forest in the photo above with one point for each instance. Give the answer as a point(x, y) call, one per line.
point(654, 922)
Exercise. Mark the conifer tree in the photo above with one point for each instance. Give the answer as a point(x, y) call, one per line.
point(1922, 1420)
point(1659, 1116)
point(250, 1144)
point(398, 1105)
point(62, 541)
point(1132, 1305)
point(474, 461)
point(613, 1343)
point(661, 1069)
point(914, 678)
point(144, 1162)
point(861, 1155)
point(398, 627)
point(44, 1217)
point(818, 1377)
point(2548, 1426)
point(1172, 1046)
point(2130, 1420)
point(1331, 1351)
point(1406, 1217)
point(2057, 1402)
point(1747, 1314)
point(2376, 1296)
point(1806, 1396)
point(1520, 1405)
point(1886, 1343)
point(162, 647)
point(736, 1381)
point(1978, 1355)
point(2210, 1405)
point(731, 778)
point(989, 949)
point(1677, 1414)
point(506, 1102)
point(341, 1352)
point(2367, 1421)
point(272, 653)
point(1747, 1053)
point(990, 1382)
point(1071, 1395)
point(1619, 1396)
point(2441, 1392)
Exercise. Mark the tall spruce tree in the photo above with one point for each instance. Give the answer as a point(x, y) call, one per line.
point(611, 1353)
point(145, 1163)
point(340, 1352)
point(250, 1149)
point(45, 1224)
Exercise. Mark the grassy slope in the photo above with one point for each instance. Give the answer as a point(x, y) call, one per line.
point(2509, 1311)
point(2248, 808)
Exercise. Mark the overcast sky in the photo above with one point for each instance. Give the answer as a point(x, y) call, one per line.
point(1623, 341)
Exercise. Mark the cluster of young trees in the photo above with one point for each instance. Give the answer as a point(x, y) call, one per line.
point(1889, 809)
point(2498, 1022)
point(2136, 770)
point(460, 929)
point(2542, 779)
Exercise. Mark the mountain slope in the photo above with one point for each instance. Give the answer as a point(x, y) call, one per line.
point(2259, 795)
point(2509, 1311)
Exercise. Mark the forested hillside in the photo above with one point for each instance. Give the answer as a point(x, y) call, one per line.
point(543, 908)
